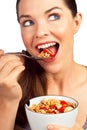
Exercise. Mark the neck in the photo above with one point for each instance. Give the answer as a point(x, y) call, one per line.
point(62, 82)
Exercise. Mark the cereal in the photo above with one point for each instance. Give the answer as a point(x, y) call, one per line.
point(46, 53)
point(52, 106)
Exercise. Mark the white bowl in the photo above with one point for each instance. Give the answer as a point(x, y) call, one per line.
point(40, 121)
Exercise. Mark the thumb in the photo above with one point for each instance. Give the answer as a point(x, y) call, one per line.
point(1, 52)
point(53, 127)
point(56, 127)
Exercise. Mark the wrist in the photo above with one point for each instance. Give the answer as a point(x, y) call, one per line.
point(8, 112)
point(9, 105)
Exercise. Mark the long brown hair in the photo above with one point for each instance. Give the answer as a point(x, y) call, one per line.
point(33, 83)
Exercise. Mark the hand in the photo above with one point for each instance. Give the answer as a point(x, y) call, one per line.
point(11, 67)
point(56, 127)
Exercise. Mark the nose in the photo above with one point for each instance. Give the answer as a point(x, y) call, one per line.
point(42, 30)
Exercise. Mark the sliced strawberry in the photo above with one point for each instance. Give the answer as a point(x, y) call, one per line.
point(62, 109)
point(64, 103)
point(48, 51)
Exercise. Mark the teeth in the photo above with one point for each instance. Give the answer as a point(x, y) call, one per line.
point(46, 45)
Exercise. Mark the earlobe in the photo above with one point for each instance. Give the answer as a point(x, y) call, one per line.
point(77, 22)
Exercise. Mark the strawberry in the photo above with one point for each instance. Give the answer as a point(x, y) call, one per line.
point(64, 105)
point(48, 51)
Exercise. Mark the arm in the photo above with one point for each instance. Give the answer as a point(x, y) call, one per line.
point(11, 67)
point(8, 112)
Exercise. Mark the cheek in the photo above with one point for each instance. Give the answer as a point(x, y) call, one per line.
point(65, 38)
point(64, 30)
point(59, 32)
point(64, 34)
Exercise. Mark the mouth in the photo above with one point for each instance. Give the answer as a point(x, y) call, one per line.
point(48, 50)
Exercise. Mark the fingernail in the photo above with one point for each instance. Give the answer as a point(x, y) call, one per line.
point(50, 127)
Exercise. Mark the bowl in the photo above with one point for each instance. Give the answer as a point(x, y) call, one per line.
point(40, 121)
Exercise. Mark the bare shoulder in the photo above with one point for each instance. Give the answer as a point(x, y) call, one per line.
point(83, 81)
point(80, 92)
point(85, 76)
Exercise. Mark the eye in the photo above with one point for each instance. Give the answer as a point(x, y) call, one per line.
point(28, 23)
point(54, 17)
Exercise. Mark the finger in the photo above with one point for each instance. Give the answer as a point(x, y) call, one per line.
point(15, 56)
point(56, 127)
point(16, 72)
point(9, 58)
point(52, 127)
point(1, 52)
point(9, 67)
point(12, 78)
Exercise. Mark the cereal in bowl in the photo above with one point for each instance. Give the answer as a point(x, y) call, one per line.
point(52, 106)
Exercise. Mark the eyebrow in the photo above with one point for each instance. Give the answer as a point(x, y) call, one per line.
point(24, 16)
point(47, 11)
point(53, 9)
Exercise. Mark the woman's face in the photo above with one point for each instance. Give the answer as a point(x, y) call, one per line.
point(48, 24)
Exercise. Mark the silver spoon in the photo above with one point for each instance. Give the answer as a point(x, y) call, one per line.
point(23, 53)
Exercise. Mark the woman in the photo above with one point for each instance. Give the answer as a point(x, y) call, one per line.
point(46, 26)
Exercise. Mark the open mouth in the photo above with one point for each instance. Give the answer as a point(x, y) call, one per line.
point(48, 50)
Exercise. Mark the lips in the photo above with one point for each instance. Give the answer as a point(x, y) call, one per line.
point(48, 49)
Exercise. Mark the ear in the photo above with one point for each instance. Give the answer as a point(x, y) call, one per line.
point(77, 22)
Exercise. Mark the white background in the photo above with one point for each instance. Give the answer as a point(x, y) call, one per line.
point(10, 37)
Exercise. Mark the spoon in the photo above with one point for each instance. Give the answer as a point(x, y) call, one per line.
point(25, 54)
